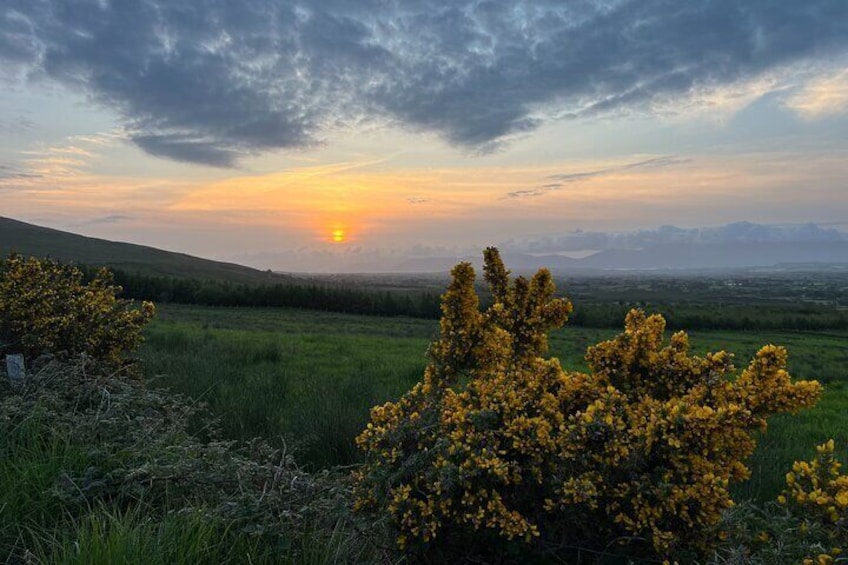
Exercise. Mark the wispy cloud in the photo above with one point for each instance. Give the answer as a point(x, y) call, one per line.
point(60, 150)
point(563, 179)
point(57, 162)
point(16, 126)
point(822, 97)
point(99, 139)
point(110, 219)
point(14, 173)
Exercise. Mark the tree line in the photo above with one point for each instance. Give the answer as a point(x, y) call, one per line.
point(310, 296)
point(426, 304)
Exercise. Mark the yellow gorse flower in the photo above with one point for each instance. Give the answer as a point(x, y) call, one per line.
point(46, 308)
point(817, 492)
point(498, 438)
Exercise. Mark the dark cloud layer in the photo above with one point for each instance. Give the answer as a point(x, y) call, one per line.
point(210, 81)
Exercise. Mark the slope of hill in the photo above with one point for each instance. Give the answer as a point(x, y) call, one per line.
point(28, 239)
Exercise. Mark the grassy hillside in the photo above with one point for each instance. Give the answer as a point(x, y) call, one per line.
point(28, 239)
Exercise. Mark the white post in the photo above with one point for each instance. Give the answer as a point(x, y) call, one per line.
point(15, 367)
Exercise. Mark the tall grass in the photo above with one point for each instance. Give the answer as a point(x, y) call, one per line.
point(311, 391)
point(32, 458)
point(135, 537)
point(97, 468)
point(109, 536)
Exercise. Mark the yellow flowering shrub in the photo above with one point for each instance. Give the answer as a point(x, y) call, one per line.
point(46, 308)
point(817, 493)
point(498, 443)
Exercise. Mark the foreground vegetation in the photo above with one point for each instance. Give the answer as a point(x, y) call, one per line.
point(97, 467)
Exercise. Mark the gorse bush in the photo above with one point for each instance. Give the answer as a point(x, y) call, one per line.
point(817, 495)
point(499, 450)
point(818, 488)
point(46, 307)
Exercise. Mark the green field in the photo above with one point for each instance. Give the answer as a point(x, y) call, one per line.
point(307, 379)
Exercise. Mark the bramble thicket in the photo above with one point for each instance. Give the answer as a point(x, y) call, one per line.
point(499, 444)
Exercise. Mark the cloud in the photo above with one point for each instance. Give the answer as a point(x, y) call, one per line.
point(11, 173)
point(822, 97)
point(17, 126)
point(110, 219)
point(214, 81)
point(566, 178)
point(68, 159)
point(737, 232)
point(528, 193)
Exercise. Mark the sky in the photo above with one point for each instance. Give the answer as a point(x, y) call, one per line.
point(294, 134)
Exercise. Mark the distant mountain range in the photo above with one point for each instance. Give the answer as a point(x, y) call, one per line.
point(741, 245)
point(694, 256)
point(738, 245)
point(28, 239)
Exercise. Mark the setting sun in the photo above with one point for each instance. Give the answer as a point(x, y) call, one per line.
point(338, 236)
